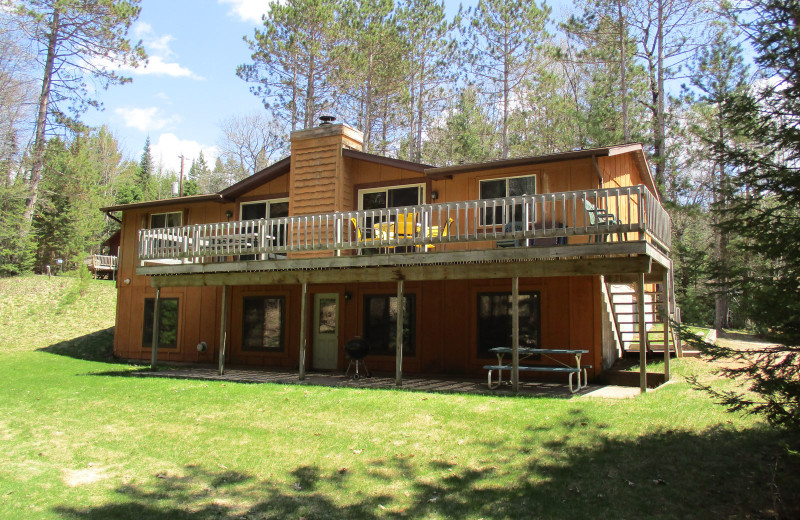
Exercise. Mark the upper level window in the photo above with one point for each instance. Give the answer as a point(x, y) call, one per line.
point(501, 188)
point(164, 220)
point(388, 197)
point(273, 208)
point(391, 197)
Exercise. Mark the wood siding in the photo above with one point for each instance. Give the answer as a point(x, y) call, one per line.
point(322, 180)
point(570, 318)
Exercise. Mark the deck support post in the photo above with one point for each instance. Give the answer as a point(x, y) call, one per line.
point(303, 312)
point(223, 329)
point(640, 303)
point(515, 334)
point(398, 368)
point(665, 297)
point(156, 329)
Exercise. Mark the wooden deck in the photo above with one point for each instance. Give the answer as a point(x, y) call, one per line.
point(102, 265)
point(517, 223)
point(416, 384)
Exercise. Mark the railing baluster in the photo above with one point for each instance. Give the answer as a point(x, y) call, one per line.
point(422, 225)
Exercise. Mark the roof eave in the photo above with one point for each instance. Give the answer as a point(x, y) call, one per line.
point(213, 197)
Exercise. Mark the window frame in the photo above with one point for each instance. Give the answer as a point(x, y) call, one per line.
point(268, 202)
point(410, 346)
point(147, 338)
point(483, 353)
point(421, 186)
point(280, 235)
point(282, 334)
point(504, 219)
point(166, 213)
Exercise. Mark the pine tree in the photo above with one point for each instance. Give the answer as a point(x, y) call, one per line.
point(763, 210)
point(293, 59)
point(199, 177)
point(146, 171)
point(433, 60)
point(467, 135)
point(719, 72)
point(76, 41)
point(503, 37)
point(68, 224)
point(372, 66)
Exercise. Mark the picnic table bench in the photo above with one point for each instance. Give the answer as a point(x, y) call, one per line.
point(559, 367)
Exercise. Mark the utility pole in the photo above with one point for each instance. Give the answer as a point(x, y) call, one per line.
point(180, 186)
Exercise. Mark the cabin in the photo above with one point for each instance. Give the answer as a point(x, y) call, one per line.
point(432, 267)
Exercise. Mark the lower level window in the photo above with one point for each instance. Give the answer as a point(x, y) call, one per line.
point(263, 319)
point(168, 323)
point(380, 324)
point(495, 325)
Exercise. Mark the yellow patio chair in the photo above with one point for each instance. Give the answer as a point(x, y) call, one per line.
point(434, 232)
point(361, 233)
point(406, 225)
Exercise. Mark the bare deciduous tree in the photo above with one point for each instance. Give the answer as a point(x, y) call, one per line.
point(249, 143)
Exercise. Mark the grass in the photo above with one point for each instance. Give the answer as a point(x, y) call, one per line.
point(82, 438)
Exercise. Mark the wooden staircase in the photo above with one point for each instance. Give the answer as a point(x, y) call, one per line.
point(624, 312)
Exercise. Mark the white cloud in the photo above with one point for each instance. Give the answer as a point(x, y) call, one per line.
point(157, 66)
point(145, 119)
point(248, 10)
point(160, 59)
point(170, 147)
point(156, 44)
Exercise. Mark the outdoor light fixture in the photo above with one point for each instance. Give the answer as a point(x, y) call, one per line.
point(228, 213)
point(127, 281)
point(434, 195)
point(348, 296)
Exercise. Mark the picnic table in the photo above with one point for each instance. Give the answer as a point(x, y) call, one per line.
point(558, 366)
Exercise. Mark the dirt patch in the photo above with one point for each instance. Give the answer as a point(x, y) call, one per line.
point(740, 342)
point(82, 477)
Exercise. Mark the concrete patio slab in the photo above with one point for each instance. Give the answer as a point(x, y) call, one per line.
point(420, 384)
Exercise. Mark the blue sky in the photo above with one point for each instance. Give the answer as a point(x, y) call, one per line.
point(190, 85)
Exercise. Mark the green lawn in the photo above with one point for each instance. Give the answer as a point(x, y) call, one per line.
point(81, 438)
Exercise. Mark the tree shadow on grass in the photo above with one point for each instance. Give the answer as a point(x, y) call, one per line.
point(718, 473)
point(95, 346)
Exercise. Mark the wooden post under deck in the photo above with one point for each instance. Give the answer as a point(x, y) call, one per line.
point(515, 334)
point(303, 312)
point(398, 369)
point(156, 329)
point(223, 329)
point(665, 297)
point(642, 334)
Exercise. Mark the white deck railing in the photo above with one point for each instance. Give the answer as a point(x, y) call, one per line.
point(630, 213)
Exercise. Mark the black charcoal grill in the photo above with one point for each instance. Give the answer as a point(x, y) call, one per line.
point(357, 349)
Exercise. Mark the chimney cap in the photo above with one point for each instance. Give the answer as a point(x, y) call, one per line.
point(327, 119)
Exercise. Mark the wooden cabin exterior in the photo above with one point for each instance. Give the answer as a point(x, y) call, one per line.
point(283, 268)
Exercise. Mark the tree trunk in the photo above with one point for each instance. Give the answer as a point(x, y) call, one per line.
point(41, 126)
point(420, 107)
point(310, 95)
point(506, 92)
point(660, 123)
point(367, 119)
point(721, 300)
point(623, 66)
